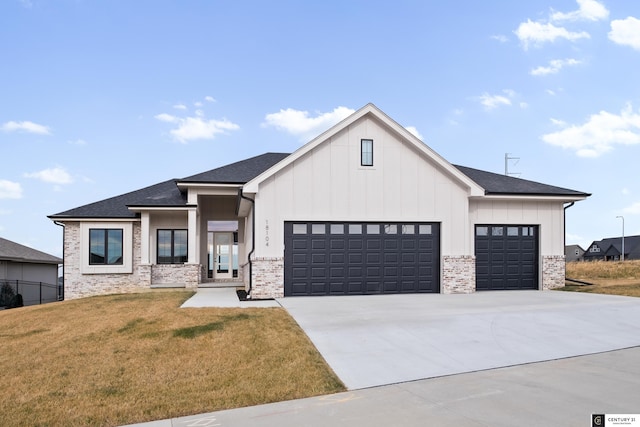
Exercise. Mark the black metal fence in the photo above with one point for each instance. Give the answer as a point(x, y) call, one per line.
point(18, 293)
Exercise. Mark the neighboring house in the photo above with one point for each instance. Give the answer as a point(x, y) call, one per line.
point(29, 272)
point(573, 253)
point(609, 249)
point(364, 208)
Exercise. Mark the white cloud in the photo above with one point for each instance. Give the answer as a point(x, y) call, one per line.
point(198, 104)
point(78, 142)
point(555, 65)
point(550, 92)
point(209, 99)
point(164, 117)
point(180, 107)
point(537, 33)
point(557, 122)
point(599, 134)
point(55, 175)
point(26, 126)
point(10, 190)
point(192, 128)
point(298, 123)
point(626, 32)
point(634, 209)
point(500, 37)
point(589, 10)
point(414, 132)
point(491, 102)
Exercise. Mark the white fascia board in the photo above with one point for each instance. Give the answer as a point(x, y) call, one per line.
point(162, 208)
point(252, 186)
point(532, 198)
point(474, 188)
point(83, 219)
point(195, 185)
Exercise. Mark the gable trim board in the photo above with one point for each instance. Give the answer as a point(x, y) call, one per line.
point(324, 183)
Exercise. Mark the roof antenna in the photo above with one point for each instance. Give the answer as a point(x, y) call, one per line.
point(506, 165)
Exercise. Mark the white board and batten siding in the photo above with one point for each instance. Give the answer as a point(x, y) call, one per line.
point(328, 183)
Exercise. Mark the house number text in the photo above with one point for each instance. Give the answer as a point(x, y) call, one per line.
point(266, 232)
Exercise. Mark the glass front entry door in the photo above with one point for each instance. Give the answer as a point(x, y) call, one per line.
point(223, 255)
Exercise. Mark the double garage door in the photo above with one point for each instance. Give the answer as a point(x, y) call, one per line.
point(358, 258)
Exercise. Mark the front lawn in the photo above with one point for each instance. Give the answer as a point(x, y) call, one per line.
point(121, 359)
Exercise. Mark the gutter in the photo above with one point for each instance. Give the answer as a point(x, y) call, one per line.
point(64, 230)
point(253, 240)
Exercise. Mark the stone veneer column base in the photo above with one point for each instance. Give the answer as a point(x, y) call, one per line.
point(553, 271)
point(458, 274)
point(268, 278)
point(176, 274)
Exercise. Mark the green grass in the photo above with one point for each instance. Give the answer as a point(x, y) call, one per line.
point(121, 359)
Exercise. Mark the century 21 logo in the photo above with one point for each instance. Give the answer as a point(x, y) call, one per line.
point(597, 420)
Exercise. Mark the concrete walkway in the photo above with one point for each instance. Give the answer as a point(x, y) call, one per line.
point(223, 298)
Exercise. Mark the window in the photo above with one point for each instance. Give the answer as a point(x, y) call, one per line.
point(172, 246)
point(513, 231)
point(299, 228)
point(318, 229)
point(366, 152)
point(424, 229)
point(337, 228)
point(355, 228)
point(482, 231)
point(373, 228)
point(105, 246)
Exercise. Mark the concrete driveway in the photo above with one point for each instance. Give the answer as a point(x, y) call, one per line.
point(378, 340)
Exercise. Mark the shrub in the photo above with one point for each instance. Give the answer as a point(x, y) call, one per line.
point(7, 295)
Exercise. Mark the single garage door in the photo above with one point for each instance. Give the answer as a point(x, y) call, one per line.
point(506, 257)
point(358, 258)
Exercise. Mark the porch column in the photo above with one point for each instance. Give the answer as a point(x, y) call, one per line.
point(193, 236)
point(144, 238)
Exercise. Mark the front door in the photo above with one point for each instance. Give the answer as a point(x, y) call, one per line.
point(223, 255)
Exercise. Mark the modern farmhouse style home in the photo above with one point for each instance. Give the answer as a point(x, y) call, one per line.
point(364, 208)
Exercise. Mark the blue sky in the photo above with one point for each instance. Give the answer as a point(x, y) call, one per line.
point(98, 98)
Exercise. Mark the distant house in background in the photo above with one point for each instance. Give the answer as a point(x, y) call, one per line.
point(31, 273)
point(609, 249)
point(573, 253)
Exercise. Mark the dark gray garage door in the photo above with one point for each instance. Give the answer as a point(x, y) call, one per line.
point(357, 258)
point(506, 257)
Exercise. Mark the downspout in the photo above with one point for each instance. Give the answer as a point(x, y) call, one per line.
point(64, 230)
point(564, 223)
point(564, 235)
point(253, 240)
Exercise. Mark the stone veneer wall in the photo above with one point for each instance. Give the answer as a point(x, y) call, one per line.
point(458, 274)
point(268, 278)
point(553, 271)
point(78, 285)
point(187, 275)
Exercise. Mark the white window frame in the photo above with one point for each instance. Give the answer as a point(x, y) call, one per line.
point(127, 248)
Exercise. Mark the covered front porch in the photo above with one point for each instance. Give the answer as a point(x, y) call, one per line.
point(201, 244)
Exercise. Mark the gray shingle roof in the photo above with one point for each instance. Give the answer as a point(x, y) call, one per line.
point(12, 251)
point(238, 172)
point(494, 183)
point(613, 246)
point(163, 194)
point(168, 194)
